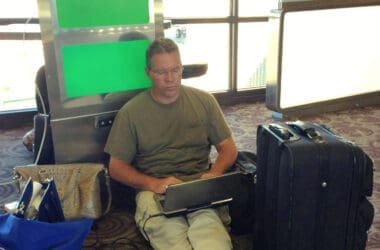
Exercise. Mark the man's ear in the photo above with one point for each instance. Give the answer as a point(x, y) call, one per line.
point(147, 71)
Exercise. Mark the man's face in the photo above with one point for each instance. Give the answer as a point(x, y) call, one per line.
point(166, 75)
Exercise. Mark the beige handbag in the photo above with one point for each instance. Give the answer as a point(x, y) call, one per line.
point(80, 186)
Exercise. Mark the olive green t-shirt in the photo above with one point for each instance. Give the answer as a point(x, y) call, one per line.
point(168, 139)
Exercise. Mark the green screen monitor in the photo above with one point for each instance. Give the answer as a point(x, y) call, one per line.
point(94, 13)
point(102, 68)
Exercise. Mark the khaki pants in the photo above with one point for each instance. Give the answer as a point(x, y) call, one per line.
point(202, 229)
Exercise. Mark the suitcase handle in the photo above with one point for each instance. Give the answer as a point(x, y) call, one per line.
point(306, 129)
point(282, 133)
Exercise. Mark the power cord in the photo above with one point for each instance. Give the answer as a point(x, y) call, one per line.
point(42, 142)
point(150, 217)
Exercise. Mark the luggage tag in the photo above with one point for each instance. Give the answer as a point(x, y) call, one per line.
point(29, 193)
point(40, 201)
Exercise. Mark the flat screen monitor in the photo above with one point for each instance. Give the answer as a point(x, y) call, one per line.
point(321, 55)
point(104, 68)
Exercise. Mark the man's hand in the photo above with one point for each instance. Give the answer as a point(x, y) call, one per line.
point(160, 185)
point(127, 174)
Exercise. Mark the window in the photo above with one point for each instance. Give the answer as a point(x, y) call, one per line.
point(192, 41)
point(21, 54)
point(251, 55)
point(230, 36)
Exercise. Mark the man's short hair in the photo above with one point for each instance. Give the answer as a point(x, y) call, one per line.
point(159, 46)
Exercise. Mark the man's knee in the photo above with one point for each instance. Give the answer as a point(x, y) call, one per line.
point(207, 231)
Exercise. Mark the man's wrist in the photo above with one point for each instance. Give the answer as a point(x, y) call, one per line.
point(215, 171)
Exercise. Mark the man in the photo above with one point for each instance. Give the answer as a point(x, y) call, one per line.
point(163, 137)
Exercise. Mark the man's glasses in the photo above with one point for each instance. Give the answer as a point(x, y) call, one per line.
point(177, 71)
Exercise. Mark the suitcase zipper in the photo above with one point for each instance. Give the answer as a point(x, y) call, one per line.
point(323, 190)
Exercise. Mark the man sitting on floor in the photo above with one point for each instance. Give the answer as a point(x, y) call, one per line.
point(163, 136)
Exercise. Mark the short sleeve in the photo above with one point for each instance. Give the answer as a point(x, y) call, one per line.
point(121, 141)
point(218, 127)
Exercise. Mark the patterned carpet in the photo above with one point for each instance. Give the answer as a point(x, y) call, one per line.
point(117, 230)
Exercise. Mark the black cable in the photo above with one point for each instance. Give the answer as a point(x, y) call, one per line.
point(150, 217)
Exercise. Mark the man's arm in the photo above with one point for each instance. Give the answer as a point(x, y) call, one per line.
point(227, 154)
point(128, 175)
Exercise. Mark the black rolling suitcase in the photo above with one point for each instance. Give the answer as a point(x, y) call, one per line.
point(311, 189)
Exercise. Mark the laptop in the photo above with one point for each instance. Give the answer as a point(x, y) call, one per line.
point(198, 194)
